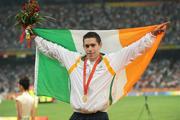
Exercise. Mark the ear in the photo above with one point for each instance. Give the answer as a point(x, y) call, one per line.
point(83, 46)
point(100, 44)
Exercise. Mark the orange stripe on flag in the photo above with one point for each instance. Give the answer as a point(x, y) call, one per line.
point(130, 35)
point(135, 69)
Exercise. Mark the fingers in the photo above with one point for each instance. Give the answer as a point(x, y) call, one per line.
point(164, 27)
point(160, 28)
point(29, 27)
point(166, 23)
point(163, 24)
point(33, 36)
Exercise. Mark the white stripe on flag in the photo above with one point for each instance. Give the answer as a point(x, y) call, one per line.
point(110, 40)
point(118, 86)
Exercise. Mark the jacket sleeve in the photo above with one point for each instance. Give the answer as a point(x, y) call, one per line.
point(120, 59)
point(55, 51)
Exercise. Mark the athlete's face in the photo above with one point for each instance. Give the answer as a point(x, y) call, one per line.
point(92, 48)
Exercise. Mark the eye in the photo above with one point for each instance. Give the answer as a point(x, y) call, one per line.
point(93, 45)
point(87, 46)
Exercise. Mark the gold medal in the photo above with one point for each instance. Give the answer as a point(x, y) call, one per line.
point(86, 83)
point(84, 98)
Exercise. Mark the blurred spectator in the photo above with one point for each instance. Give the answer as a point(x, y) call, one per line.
point(83, 16)
point(10, 74)
point(161, 74)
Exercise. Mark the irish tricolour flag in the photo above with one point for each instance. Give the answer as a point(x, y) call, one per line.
point(52, 79)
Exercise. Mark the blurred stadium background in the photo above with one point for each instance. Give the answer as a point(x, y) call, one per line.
point(161, 79)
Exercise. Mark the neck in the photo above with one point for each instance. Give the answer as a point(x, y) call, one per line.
point(93, 59)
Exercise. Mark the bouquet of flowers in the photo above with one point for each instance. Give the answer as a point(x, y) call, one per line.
point(28, 16)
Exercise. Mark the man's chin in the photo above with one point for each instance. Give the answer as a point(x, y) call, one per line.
point(90, 57)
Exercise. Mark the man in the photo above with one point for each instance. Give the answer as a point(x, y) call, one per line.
point(25, 103)
point(91, 74)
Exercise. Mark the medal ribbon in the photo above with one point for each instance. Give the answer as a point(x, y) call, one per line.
point(86, 86)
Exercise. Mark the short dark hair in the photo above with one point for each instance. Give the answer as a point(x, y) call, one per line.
point(24, 82)
point(92, 35)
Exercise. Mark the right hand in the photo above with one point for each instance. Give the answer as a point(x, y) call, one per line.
point(29, 27)
point(159, 29)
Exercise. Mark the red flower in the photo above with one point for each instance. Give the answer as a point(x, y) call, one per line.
point(37, 9)
point(24, 6)
point(29, 15)
point(31, 1)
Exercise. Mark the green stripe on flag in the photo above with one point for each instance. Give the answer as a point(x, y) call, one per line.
point(53, 78)
point(58, 36)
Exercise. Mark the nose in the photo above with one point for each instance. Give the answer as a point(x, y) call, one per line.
point(89, 48)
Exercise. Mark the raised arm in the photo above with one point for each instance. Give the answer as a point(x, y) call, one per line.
point(122, 58)
point(55, 51)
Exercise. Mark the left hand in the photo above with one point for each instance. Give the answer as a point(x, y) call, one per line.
point(159, 29)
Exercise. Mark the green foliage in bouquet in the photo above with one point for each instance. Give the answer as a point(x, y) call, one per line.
point(29, 14)
point(27, 18)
